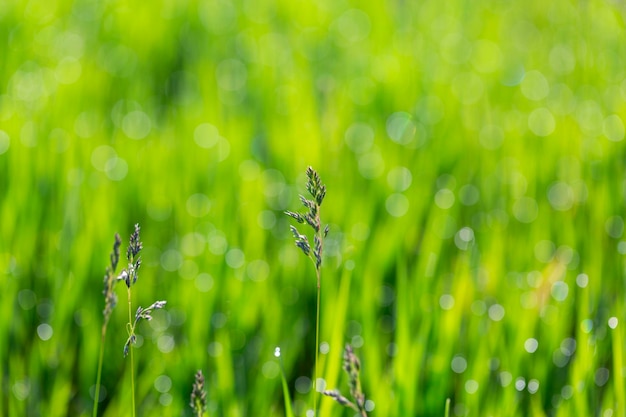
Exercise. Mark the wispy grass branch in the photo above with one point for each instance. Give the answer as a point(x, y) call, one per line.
point(312, 218)
point(129, 276)
point(352, 366)
point(110, 300)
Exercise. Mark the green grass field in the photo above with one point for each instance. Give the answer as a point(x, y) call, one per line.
point(473, 154)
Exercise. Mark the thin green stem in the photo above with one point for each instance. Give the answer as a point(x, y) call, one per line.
point(131, 331)
point(96, 398)
point(286, 396)
point(317, 343)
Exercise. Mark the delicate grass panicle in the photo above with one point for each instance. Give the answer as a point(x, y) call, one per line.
point(352, 366)
point(129, 276)
point(110, 301)
point(198, 395)
point(110, 298)
point(318, 191)
point(312, 218)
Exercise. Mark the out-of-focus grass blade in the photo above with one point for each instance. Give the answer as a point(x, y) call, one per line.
point(286, 396)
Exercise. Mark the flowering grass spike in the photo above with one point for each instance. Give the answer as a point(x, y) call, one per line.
point(198, 395)
point(317, 190)
point(352, 366)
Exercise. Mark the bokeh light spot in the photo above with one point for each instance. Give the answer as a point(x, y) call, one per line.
point(491, 137)
point(471, 386)
point(458, 364)
point(231, 75)
point(266, 219)
point(270, 369)
point(455, 48)
point(171, 260)
point(303, 384)
point(496, 312)
point(505, 378)
point(562, 59)
point(102, 156)
point(559, 291)
point(531, 345)
point(215, 349)
point(464, 238)
point(469, 195)
point(353, 26)
point(163, 383)
point(399, 178)
point(5, 142)
point(535, 86)
point(590, 117)
point(561, 196)
point(544, 251)
point(258, 270)
point(614, 226)
point(359, 137)
point(541, 122)
point(217, 16)
point(397, 205)
point(116, 169)
point(26, 299)
point(371, 165)
point(44, 331)
point(136, 124)
point(613, 128)
point(525, 210)
point(198, 205)
point(444, 198)
point(204, 282)
point(21, 389)
point(446, 302)
point(401, 128)
point(206, 135)
point(235, 258)
point(192, 244)
point(601, 377)
point(533, 386)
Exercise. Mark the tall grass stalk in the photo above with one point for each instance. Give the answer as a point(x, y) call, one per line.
point(110, 300)
point(132, 363)
point(312, 218)
point(129, 276)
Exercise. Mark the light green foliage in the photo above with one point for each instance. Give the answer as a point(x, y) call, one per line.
point(473, 155)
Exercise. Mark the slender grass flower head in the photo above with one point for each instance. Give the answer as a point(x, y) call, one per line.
point(198, 395)
point(110, 298)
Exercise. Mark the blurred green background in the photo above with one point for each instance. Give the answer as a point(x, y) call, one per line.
point(474, 158)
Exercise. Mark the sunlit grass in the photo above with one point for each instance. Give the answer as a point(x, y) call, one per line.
point(475, 157)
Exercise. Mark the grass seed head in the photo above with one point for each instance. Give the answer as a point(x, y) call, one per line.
point(312, 218)
point(110, 298)
point(198, 395)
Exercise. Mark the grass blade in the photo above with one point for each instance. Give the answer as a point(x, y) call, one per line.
point(286, 396)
